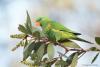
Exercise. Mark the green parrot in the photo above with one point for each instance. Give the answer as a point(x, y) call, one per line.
point(54, 25)
point(56, 31)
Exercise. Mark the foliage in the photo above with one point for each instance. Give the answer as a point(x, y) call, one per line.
point(39, 50)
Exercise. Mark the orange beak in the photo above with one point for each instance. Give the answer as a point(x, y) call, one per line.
point(37, 23)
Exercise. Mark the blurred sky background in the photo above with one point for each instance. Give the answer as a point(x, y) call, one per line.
point(79, 15)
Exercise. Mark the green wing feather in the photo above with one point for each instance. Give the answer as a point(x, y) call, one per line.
point(58, 26)
point(55, 25)
point(57, 35)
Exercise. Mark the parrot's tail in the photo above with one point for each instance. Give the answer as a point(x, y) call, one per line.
point(77, 33)
point(80, 39)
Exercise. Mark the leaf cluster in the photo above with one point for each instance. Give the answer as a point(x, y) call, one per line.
point(38, 50)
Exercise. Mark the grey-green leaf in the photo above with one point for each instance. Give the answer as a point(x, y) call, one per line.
point(27, 50)
point(18, 45)
point(28, 24)
point(97, 39)
point(22, 29)
point(26, 43)
point(60, 63)
point(18, 36)
point(40, 52)
point(94, 49)
point(50, 51)
point(95, 57)
point(70, 58)
point(74, 61)
point(71, 44)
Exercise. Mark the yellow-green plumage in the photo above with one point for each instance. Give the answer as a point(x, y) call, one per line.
point(55, 25)
point(56, 31)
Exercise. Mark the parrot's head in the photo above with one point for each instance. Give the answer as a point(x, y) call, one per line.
point(42, 21)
